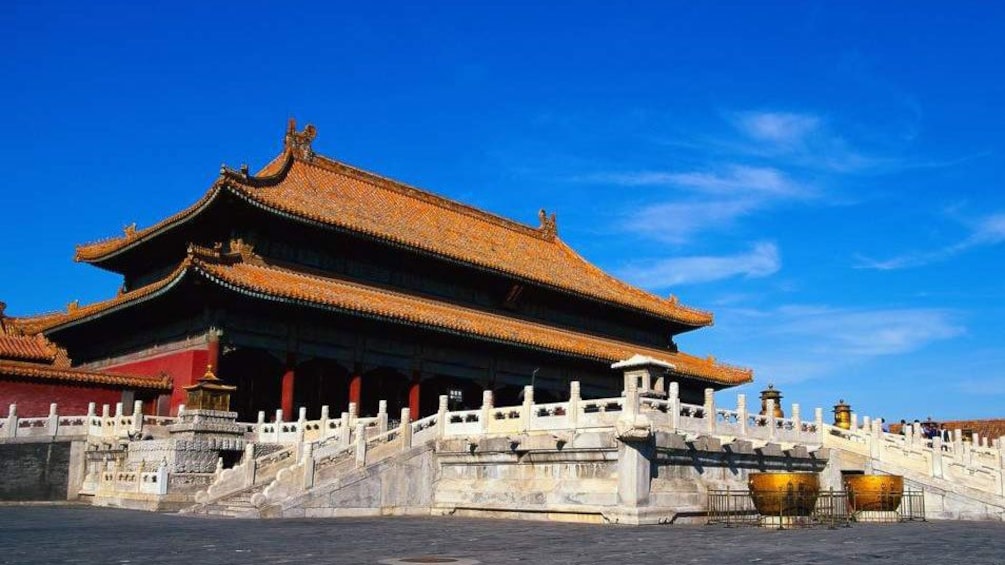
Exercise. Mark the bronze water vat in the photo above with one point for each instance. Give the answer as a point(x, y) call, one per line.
point(784, 494)
point(872, 493)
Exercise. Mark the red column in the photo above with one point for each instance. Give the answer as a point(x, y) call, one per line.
point(414, 395)
point(287, 389)
point(355, 388)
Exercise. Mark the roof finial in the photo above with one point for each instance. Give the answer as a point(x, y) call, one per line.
point(299, 143)
point(549, 225)
point(130, 230)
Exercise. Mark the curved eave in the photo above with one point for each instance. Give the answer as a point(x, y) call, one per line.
point(94, 253)
point(95, 311)
point(32, 371)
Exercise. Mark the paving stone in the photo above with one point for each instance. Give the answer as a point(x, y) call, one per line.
point(80, 534)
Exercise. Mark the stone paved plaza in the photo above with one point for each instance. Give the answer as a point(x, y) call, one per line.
point(59, 534)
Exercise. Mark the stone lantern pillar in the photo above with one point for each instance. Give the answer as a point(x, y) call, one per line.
point(842, 415)
point(771, 393)
point(645, 374)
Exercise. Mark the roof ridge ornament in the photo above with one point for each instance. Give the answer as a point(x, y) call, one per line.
point(549, 224)
point(299, 142)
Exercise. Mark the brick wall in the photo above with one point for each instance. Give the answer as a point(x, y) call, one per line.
point(34, 471)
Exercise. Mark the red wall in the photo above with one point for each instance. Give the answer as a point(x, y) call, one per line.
point(184, 367)
point(33, 398)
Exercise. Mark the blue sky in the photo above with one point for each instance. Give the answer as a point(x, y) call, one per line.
point(826, 177)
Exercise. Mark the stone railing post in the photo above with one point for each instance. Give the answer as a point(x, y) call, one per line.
point(278, 423)
point(876, 439)
point(958, 445)
point(353, 413)
point(818, 422)
point(527, 409)
point(574, 398)
point(106, 416)
point(118, 418)
point(797, 420)
point(937, 457)
point(406, 429)
point(673, 402)
point(381, 416)
point(11, 425)
point(52, 423)
point(488, 402)
point(307, 460)
point(249, 464)
point(91, 416)
point(772, 421)
point(181, 411)
point(854, 422)
point(324, 421)
point(162, 478)
point(344, 430)
point(710, 411)
point(258, 426)
point(441, 417)
point(360, 445)
point(741, 414)
point(137, 416)
point(301, 430)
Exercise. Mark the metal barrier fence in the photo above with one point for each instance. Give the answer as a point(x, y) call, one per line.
point(782, 510)
point(830, 508)
point(886, 507)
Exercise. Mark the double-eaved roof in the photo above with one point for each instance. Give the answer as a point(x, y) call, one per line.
point(239, 270)
point(314, 189)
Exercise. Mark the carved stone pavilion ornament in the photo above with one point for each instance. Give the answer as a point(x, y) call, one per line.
point(209, 393)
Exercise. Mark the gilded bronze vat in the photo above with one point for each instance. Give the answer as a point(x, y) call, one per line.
point(874, 492)
point(784, 494)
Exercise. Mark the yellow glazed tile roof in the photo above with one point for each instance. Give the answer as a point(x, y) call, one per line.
point(313, 188)
point(37, 371)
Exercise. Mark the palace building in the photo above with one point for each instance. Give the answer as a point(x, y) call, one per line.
point(313, 283)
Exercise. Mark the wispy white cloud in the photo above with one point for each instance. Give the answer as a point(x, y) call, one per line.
point(797, 343)
point(989, 230)
point(778, 127)
point(761, 261)
point(730, 180)
point(678, 222)
point(705, 200)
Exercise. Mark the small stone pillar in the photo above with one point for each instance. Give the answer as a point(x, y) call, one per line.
point(527, 409)
point(381, 416)
point(487, 405)
point(710, 416)
point(11, 426)
point(406, 429)
point(741, 414)
point(574, 399)
point(842, 415)
point(648, 374)
point(360, 445)
point(441, 416)
point(771, 393)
